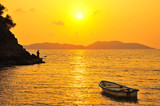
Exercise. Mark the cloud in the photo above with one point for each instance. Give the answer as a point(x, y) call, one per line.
point(20, 10)
point(58, 23)
point(32, 9)
point(94, 12)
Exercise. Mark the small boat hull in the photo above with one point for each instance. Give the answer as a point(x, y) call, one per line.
point(118, 90)
point(121, 94)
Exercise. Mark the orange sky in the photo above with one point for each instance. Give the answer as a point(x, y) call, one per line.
point(129, 21)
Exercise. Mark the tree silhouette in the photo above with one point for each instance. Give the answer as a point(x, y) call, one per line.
point(1, 9)
point(7, 20)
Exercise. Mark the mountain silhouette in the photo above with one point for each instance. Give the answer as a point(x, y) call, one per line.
point(53, 46)
point(116, 45)
point(96, 45)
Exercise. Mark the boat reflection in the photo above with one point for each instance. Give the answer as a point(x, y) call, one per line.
point(120, 99)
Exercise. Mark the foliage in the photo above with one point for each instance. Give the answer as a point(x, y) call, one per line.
point(7, 20)
point(1, 9)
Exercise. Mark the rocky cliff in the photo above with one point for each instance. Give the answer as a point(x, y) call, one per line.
point(12, 53)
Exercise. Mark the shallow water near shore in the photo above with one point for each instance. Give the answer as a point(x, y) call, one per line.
point(71, 77)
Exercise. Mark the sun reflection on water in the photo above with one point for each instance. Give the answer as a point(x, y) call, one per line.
point(71, 77)
point(79, 70)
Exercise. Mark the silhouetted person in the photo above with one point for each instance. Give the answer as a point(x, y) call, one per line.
point(38, 53)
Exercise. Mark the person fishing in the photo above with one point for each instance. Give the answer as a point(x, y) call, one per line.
point(38, 53)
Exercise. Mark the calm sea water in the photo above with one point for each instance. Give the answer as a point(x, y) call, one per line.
point(71, 77)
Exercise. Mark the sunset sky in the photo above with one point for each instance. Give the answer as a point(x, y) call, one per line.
point(85, 21)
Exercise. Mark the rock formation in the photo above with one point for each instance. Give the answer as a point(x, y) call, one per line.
point(12, 53)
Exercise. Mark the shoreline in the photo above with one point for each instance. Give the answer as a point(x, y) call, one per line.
point(16, 61)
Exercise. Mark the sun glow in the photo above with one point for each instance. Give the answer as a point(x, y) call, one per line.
point(79, 15)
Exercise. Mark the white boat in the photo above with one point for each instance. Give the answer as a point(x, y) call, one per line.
point(118, 90)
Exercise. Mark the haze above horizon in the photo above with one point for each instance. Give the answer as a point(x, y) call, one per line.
point(84, 22)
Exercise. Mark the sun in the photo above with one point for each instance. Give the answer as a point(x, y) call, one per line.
point(79, 15)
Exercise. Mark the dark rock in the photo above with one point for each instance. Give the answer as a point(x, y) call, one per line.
point(12, 53)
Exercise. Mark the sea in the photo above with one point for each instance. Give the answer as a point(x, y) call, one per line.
point(71, 78)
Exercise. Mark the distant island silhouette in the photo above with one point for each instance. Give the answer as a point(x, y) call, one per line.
point(12, 53)
point(96, 45)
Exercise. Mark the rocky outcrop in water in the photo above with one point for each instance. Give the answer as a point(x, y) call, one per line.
point(12, 53)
